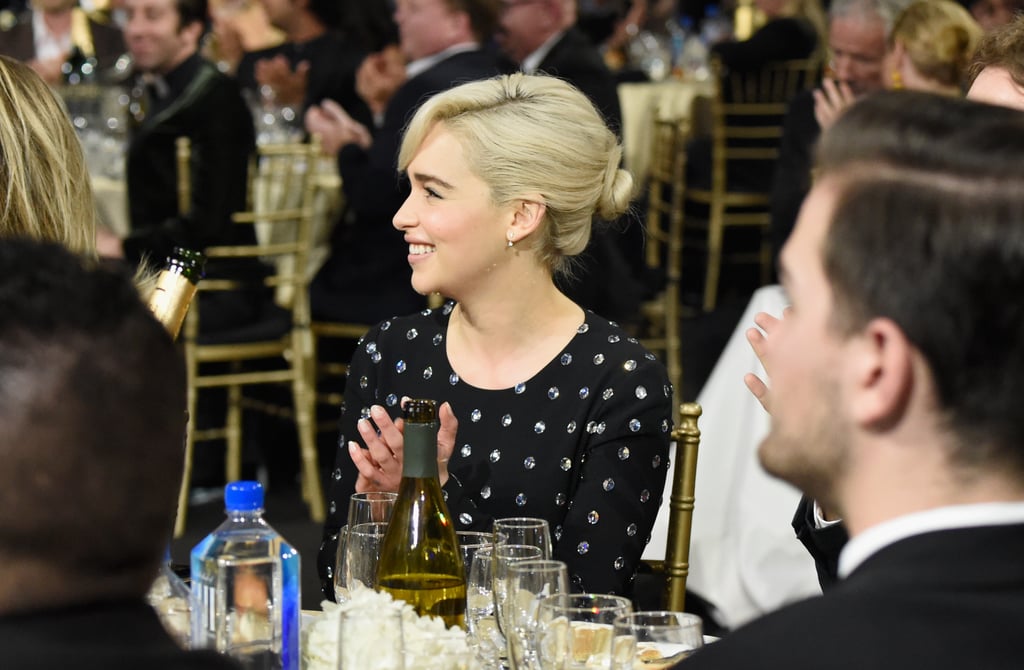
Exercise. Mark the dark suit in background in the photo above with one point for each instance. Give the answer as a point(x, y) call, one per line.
point(366, 278)
point(123, 634)
point(203, 104)
point(575, 59)
point(19, 42)
point(800, 132)
point(943, 600)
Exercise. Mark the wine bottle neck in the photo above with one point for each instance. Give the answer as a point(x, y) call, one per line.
point(420, 451)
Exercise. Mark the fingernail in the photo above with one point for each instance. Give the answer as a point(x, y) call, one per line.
point(377, 410)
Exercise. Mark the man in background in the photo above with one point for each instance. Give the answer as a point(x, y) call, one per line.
point(857, 34)
point(45, 35)
point(441, 44)
point(92, 414)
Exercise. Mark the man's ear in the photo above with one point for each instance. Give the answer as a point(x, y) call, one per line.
point(882, 366)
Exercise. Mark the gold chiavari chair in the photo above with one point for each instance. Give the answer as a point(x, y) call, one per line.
point(282, 223)
point(676, 566)
point(664, 228)
point(747, 113)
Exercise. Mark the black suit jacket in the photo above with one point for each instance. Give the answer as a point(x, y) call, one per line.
point(367, 277)
point(943, 600)
point(19, 42)
point(206, 106)
point(575, 59)
point(823, 544)
point(800, 132)
point(98, 637)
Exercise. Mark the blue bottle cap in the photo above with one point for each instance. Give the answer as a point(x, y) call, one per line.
point(243, 496)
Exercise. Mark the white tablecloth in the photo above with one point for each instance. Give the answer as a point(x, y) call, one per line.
point(744, 556)
point(641, 103)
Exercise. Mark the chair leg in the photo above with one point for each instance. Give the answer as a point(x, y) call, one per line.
point(714, 256)
point(186, 478)
point(233, 423)
point(304, 398)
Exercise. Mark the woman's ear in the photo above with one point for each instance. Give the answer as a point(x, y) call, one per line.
point(527, 217)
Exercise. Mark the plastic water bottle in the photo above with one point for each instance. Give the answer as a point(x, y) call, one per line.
point(245, 587)
point(693, 61)
point(716, 27)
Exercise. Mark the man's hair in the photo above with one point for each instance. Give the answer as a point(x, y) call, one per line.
point(483, 16)
point(191, 11)
point(92, 419)
point(885, 10)
point(928, 231)
point(1002, 48)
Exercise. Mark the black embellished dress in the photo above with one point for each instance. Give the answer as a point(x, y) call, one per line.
point(583, 443)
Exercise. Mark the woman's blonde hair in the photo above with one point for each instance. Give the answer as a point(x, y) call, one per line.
point(46, 193)
point(940, 37)
point(529, 134)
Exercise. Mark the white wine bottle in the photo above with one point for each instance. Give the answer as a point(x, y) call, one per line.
point(420, 561)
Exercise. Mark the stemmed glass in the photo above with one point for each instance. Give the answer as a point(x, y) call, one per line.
point(575, 631)
point(657, 639)
point(529, 583)
point(362, 551)
point(525, 530)
point(471, 541)
point(481, 625)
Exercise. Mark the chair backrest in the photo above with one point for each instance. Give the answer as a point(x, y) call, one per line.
point(680, 520)
point(183, 155)
point(748, 109)
point(281, 192)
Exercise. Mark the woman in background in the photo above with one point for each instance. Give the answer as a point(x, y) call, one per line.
point(46, 193)
point(929, 49)
point(547, 410)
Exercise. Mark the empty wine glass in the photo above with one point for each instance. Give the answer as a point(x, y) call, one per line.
point(470, 541)
point(525, 530)
point(362, 551)
point(575, 632)
point(656, 639)
point(530, 582)
point(371, 507)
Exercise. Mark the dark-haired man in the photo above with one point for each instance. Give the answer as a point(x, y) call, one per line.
point(92, 413)
point(183, 95)
point(896, 380)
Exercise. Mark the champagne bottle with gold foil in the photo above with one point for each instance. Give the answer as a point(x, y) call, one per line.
point(420, 561)
point(175, 286)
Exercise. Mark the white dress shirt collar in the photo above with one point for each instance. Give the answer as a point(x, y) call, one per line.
point(421, 65)
point(876, 538)
point(49, 46)
point(532, 62)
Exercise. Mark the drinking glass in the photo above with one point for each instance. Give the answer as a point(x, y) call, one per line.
point(371, 507)
point(362, 551)
point(530, 582)
point(481, 625)
point(360, 643)
point(470, 541)
point(656, 639)
point(574, 632)
point(504, 556)
point(525, 530)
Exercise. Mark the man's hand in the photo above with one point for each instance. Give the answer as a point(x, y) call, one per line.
point(289, 86)
point(335, 127)
point(831, 100)
point(379, 76)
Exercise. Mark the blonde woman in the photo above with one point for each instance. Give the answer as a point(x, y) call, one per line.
point(929, 49)
point(46, 193)
point(548, 411)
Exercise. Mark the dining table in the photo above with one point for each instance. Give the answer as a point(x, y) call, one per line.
point(644, 102)
point(744, 556)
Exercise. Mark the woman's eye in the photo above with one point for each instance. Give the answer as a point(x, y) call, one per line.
point(431, 193)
